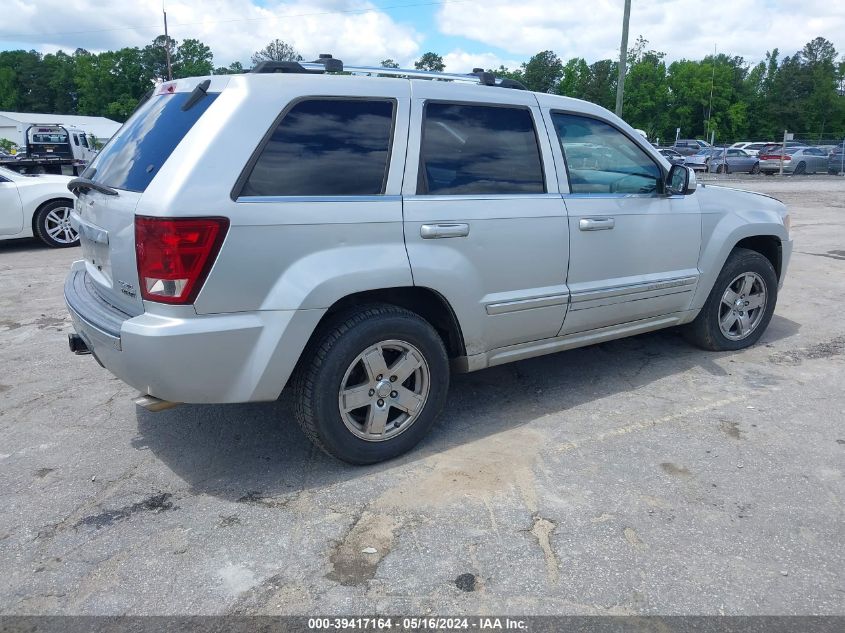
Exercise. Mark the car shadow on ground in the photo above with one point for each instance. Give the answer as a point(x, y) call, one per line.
point(234, 451)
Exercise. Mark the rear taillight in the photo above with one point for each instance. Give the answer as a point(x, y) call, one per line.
point(175, 255)
point(775, 157)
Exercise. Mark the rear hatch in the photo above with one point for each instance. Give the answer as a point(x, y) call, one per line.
point(119, 175)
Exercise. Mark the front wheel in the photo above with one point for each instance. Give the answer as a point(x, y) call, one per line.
point(800, 168)
point(371, 385)
point(740, 304)
point(52, 224)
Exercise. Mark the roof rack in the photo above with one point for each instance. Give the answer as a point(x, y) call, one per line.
point(328, 64)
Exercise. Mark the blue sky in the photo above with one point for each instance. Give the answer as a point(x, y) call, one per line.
point(466, 32)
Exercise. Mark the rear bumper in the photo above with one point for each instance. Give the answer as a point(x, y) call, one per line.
point(234, 357)
point(773, 167)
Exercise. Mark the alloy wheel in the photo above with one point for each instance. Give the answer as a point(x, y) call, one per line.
point(742, 306)
point(57, 226)
point(384, 390)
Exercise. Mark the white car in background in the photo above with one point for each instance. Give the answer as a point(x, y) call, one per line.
point(38, 205)
point(751, 148)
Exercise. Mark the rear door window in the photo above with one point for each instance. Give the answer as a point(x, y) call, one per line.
point(326, 147)
point(134, 156)
point(479, 149)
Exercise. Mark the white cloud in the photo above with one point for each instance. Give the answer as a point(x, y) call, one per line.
point(680, 28)
point(234, 29)
point(459, 61)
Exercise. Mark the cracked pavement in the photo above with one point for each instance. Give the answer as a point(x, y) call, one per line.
point(641, 476)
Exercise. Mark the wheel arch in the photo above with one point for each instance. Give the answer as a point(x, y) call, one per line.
point(769, 246)
point(428, 303)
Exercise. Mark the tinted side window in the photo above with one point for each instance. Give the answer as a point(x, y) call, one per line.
point(326, 147)
point(476, 149)
point(134, 155)
point(600, 159)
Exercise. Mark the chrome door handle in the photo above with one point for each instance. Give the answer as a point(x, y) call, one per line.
point(596, 224)
point(438, 231)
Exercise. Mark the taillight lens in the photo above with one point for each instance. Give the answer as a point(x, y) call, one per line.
point(175, 255)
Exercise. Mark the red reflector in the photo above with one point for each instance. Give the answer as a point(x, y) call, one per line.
point(175, 255)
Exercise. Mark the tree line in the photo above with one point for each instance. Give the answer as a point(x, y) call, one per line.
point(803, 92)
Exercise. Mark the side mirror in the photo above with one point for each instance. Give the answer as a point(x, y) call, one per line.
point(681, 181)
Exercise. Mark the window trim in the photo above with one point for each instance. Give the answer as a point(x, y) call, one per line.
point(661, 186)
point(246, 172)
point(510, 106)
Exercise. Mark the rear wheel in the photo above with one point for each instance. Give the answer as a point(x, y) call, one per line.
point(372, 384)
point(52, 224)
point(740, 304)
point(756, 168)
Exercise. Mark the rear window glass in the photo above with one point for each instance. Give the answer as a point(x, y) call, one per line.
point(326, 147)
point(133, 157)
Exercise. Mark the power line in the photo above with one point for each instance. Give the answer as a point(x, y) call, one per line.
point(236, 20)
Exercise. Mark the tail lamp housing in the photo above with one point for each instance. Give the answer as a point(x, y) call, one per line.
point(175, 255)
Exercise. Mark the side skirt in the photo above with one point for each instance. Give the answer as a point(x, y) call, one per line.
point(511, 353)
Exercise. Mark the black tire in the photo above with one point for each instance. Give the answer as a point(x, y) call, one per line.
point(45, 222)
point(800, 168)
point(722, 169)
point(326, 360)
point(705, 332)
point(755, 169)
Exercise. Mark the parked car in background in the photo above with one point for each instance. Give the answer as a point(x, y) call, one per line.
point(774, 148)
point(37, 205)
point(688, 147)
point(700, 161)
point(751, 147)
point(836, 161)
point(734, 161)
point(674, 157)
point(796, 160)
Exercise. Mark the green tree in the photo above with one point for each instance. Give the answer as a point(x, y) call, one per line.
point(542, 72)
point(430, 61)
point(193, 59)
point(235, 68)
point(388, 63)
point(276, 51)
point(646, 104)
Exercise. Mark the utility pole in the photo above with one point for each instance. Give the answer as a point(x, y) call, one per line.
point(712, 81)
point(623, 59)
point(167, 45)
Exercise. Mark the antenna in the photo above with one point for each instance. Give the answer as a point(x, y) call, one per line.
point(167, 45)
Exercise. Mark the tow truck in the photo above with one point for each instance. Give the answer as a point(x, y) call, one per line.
point(52, 149)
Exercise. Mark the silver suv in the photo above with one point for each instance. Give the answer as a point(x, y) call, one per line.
point(359, 237)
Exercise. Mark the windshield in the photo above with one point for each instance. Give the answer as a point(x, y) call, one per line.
point(133, 157)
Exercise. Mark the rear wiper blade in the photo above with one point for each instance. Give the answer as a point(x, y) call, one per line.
point(84, 184)
point(198, 93)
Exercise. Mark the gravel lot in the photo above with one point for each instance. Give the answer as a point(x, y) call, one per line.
point(639, 476)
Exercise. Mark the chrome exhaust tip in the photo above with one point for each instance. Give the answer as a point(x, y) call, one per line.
point(151, 403)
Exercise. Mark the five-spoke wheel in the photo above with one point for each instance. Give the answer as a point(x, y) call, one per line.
point(384, 390)
point(371, 383)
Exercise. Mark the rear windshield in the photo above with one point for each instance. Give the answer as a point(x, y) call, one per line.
point(133, 157)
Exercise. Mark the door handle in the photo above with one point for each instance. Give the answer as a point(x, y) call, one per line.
point(439, 231)
point(596, 224)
